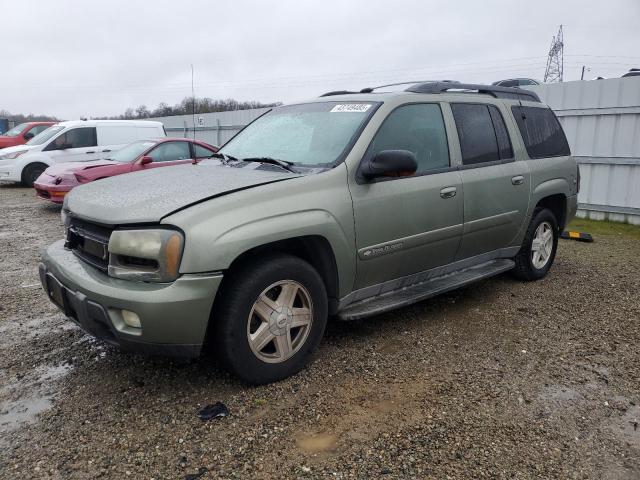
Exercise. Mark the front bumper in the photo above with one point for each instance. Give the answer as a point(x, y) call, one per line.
point(174, 316)
point(8, 172)
point(51, 191)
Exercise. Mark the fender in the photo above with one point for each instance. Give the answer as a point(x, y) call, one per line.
point(231, 244)
point(547, 188)
point(23, 160)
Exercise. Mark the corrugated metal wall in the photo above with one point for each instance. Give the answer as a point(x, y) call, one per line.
point(602, 121)
point(600, 117)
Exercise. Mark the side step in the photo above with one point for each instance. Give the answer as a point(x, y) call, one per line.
point(421, 291)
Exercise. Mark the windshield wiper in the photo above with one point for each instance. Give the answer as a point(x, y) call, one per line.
point(273, 161)
point(223, 156)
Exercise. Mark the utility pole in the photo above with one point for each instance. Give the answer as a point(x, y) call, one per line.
point(555, 60)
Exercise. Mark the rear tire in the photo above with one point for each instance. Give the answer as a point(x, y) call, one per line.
point(269, 318)
point(31, 172)
point(539, 246)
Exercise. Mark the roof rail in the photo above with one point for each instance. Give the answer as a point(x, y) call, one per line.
point(337, 92)
point(493, 90)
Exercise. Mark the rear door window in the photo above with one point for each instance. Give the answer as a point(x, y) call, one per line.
point(502, 135)
point(477, 136)
point(541, 131)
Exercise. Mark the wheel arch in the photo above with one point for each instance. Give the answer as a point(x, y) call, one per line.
point(29, 164)
point(314, 249)
point(557, 203)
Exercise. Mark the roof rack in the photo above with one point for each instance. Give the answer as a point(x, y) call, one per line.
point(493, 90)
point(442, 86)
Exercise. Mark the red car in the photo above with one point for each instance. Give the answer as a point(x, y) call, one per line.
point(58, 180)
point(23, 133)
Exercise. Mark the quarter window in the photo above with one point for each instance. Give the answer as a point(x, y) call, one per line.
point(418, 128)
point(170, 151)
point(541, 131)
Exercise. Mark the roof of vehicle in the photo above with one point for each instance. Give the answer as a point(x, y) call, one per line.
point(434, 88)
point(75, 123)
point(183, 139)
point(40, 122)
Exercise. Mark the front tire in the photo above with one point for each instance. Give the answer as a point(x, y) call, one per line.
point(31, 172)
point(539, 246)
point(269, 318)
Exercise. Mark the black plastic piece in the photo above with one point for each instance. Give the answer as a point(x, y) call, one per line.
point(337, 92)
point(390, 163)
point(493, 90)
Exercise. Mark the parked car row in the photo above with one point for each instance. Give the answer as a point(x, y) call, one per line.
point(349, 205)
point(64, 155)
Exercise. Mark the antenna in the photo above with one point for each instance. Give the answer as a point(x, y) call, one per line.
point(555, 60)
point(193, 104)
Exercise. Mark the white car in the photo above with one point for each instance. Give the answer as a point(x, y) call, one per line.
point(73, 141)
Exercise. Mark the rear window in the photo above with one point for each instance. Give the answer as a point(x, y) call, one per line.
point(541, 131)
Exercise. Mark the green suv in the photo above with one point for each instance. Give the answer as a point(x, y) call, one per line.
point(348, 205)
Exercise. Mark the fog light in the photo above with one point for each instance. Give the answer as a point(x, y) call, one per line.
point(131, 319)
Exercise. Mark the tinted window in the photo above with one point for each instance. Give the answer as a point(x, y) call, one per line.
point(504, 142)
point(75, 138)
point(542, 134)
point(203, 152)
point(418, 128)
point(478, 140)
point(170, 151)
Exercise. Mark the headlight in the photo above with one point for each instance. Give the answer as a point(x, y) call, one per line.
point(12, 155)
point(145, 255)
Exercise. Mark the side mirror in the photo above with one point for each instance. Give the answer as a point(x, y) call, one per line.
point(390, 163)
point(146, 160)
point(28, 136)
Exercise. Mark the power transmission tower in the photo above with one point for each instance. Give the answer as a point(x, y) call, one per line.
point(555, 60)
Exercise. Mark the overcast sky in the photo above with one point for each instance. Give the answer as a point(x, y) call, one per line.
point(72, 58)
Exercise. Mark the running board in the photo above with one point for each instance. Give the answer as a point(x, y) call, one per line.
point(421, 291)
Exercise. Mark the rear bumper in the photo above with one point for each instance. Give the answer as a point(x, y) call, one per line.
point(173, 317)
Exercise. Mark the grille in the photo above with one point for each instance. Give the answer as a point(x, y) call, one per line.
point(89, 242)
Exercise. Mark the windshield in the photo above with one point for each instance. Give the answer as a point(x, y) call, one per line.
point(132, 151)
point(45, 135)
point(15, 131)
point(312, 134)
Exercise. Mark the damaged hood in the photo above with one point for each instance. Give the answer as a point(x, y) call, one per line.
point(148, 196)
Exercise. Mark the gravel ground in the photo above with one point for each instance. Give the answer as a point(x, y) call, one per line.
point(501, 379)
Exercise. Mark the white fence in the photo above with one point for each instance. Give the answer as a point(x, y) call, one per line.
point(600, 117)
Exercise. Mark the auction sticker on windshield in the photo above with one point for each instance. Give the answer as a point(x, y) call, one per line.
point(351, 108)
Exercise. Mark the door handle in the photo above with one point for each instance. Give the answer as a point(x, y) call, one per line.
point(90, 151)
point(104, 151)
point(448, 192)
point(517, 180)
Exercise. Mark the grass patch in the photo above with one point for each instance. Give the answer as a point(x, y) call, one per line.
point(596, 227)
